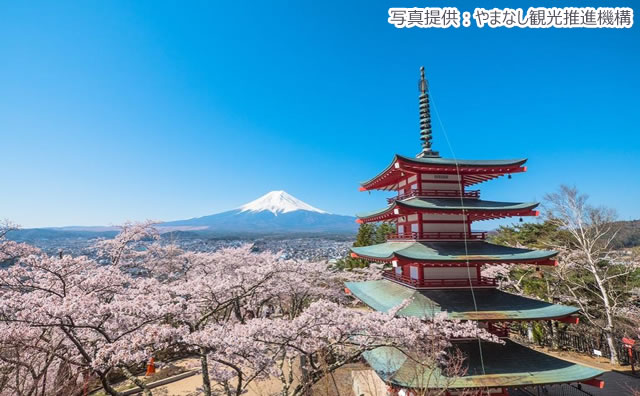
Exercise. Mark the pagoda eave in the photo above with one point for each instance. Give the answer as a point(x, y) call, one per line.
point(493, 305)
point(474, 215)
point(453, 253)
point(473, 212)
point(472, 172)
point(400, 260)
point(501, 366)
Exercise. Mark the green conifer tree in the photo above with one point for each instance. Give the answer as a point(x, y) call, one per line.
point(366, 235)
point(383, 230)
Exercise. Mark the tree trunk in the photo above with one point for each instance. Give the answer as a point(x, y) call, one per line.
point(612, 347)
point(553, 333)
point(530, 332)
point(608, 330)
point(137, 381)
point(107, 386)
point(304, 372)
point(206, 382)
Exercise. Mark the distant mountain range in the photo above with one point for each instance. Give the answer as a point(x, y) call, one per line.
point(276, 212)
point(628, 234)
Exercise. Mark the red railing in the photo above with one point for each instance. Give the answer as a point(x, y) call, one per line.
point(474, 235)
point(435, 194)
point(440, 283)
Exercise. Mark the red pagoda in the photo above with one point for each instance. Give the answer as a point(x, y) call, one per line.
point(436, 259)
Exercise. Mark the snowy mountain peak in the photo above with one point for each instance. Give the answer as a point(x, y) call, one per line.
point(278, 202)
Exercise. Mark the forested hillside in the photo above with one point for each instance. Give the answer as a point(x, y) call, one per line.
point(628, 234)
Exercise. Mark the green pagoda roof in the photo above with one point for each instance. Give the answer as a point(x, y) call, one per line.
point(462, 162)
point(493, 304)
point(476, 251)
point(452, 204)
point(451, 163)
point(509, 365)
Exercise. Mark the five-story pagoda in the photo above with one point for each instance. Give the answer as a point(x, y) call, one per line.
point(436, 260)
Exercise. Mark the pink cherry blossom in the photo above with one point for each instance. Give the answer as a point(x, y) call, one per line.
point(245, 315)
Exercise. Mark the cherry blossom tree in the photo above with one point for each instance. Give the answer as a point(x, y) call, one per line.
point(104, 317)
point(252, 316)
point(245, 315)
point(323, 338)
point(232, 286)
point(33, 362)
point(29, 357)
point(212, 289)
point(107, 318)
point(130, 246)
point(10, 250)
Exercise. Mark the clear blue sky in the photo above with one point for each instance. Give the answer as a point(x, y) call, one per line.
point(115, 110)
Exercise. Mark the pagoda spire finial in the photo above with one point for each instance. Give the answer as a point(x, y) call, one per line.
point(425, 118)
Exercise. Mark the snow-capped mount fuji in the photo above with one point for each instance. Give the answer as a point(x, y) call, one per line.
point(274, 212)
point(278, 202)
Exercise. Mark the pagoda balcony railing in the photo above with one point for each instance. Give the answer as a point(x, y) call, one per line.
point(474, 235)
point(441, 283)
point(435, 194)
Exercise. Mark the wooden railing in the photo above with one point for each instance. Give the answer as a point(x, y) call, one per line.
point(440, 283)
point(435, 194)
point(479, 235)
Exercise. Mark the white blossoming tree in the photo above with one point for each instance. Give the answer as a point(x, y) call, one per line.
point(83, 316)
point(589, 267)
point(247, 316)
